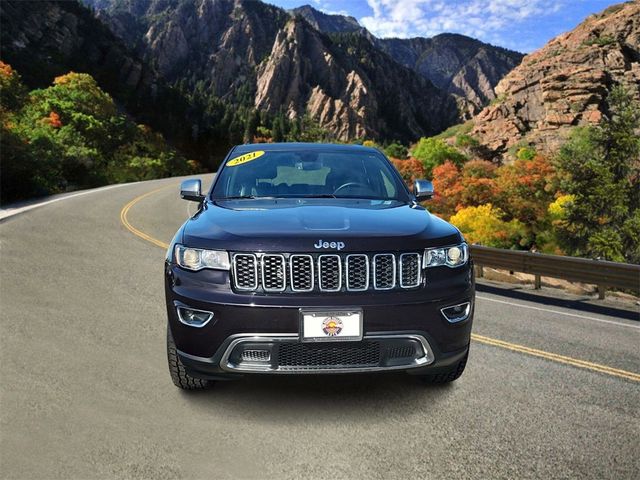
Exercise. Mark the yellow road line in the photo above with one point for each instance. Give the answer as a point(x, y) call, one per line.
point(125, 221)
point(554, 357)
point(596, 367)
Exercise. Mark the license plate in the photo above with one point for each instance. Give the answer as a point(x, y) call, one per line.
point(330, 325)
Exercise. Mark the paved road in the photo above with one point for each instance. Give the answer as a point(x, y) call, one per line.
point(551, 390)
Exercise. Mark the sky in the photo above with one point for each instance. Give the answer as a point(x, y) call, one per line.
point(522, 25)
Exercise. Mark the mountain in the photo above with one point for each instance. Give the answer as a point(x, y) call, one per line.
point(349, 86)
point(459, 65)
point(44, 40)
point(257, 55)
point(328, 23)
point(222, 70)
point(564, 84)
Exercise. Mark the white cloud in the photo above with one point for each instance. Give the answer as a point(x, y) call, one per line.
point(493, 20)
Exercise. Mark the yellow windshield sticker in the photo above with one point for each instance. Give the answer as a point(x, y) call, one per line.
point(247, 157)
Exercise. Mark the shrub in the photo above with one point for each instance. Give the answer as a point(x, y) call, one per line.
point(448, 189)
point(484, 225)
point(396, 150)
point(433, 152)
point(525, 189)
point(410, 169)
point(478, 183)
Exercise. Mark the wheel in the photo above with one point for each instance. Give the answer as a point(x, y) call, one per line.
point(453, 373)
point(178, 373)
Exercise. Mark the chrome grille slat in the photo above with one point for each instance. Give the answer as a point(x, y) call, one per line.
point(357, 272)
point(384, 271)
point(410, 270)
point(330, 273)
point(298, 272)
point(273, 273)
point(245, 271)
point(301, 273)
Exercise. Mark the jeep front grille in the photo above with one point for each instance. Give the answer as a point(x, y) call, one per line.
point(269, 272)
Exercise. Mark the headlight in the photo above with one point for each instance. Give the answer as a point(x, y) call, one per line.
point(450, 256)
point(197, 259)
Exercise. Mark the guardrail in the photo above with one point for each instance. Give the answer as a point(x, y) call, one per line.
point(595, 272)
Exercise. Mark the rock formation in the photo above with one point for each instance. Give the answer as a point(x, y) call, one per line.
point(564, 84)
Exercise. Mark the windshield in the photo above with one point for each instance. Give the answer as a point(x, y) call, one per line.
point(309, 174)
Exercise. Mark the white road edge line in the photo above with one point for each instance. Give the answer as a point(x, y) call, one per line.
point(10, 212)
point(602, 320)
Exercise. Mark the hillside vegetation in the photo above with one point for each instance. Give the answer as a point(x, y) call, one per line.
point(582, 201)
point(71, 135)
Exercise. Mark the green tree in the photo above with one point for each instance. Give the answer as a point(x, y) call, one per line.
point(278, 129)
point(12, 91)
point(433, 152)
point(600, 168)
point(71, 135)
point(251, 125)
point(396, 150)
point(310, 131)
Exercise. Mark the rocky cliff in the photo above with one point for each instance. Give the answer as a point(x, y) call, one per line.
point(349, 86)
point(464, 67)
point(249, 52)
point(564, 84)
point(211, 62)
point(459, 65)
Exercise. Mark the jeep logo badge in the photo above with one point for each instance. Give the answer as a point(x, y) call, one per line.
point(337, 245)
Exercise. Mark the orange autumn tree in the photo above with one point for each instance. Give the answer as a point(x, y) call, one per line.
point(478, 183)
point(410, 169)
point(448, 189)
point(526, 188)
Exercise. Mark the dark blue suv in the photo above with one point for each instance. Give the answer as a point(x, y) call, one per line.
point(315, 259)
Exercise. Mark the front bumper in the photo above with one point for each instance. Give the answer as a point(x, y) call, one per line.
point(260, 334)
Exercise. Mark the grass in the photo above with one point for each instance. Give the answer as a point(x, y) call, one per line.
point(456, 130)
point(600, 41)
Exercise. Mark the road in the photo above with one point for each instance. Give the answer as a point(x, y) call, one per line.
point(552, 388)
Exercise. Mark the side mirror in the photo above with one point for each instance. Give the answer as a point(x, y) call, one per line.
point(191, 190)
point(423, 189)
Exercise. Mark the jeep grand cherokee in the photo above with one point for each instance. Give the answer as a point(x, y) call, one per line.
point(311, 258)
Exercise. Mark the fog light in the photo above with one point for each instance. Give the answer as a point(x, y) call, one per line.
point(193, 317)
point(457, 313)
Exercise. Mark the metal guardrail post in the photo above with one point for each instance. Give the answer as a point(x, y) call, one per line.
point(601, 291)
point(537, 283)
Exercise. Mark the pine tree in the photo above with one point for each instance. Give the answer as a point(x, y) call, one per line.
point(600, 169)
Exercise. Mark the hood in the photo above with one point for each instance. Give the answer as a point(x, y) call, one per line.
point(308, 225)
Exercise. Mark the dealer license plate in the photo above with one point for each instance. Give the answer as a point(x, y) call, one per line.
point(330, 325)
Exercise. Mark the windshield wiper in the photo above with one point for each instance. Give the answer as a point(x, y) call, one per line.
point(319, 195)
point(245, 197)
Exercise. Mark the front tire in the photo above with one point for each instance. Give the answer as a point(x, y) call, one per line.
point(447, 376)
point(179, 375)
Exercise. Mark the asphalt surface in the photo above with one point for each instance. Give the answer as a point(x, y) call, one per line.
point(85, 391)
